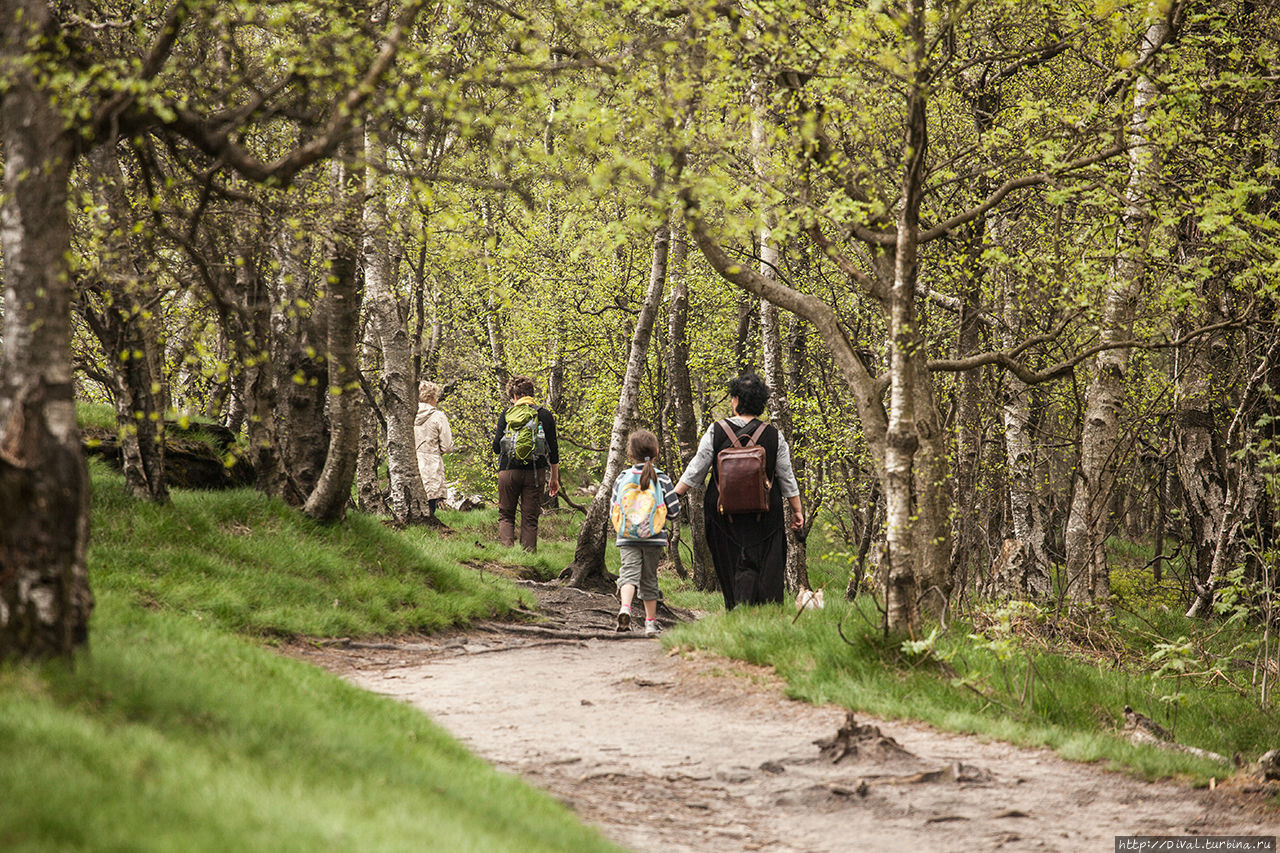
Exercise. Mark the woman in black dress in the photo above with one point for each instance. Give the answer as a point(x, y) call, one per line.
point(749, 550)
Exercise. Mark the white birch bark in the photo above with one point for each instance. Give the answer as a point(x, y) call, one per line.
point(369, 494)
point(328, 500)
point(1025, 571)
point(114, 303)
point(686, 424)
point(905, 582)
point(1241, 494)
point(1089, 523)
point(492, 319)
point(407, 499)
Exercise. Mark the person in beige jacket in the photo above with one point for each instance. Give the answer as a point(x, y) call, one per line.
point(433, 439)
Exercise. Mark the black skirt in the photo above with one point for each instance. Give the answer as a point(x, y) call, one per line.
point(749, 551)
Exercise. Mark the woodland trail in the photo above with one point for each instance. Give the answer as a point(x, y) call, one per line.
point(690, 753)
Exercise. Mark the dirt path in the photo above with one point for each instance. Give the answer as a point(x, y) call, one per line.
point(667, 752)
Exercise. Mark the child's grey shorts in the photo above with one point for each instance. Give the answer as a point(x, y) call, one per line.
point(640, 568)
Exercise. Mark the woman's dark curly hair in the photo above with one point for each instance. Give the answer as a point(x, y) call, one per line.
point(520, 386)
point(751, 392)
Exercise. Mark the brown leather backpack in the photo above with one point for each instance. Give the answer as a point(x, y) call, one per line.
point(741, 474)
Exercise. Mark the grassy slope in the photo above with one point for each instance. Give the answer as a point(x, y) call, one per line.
point(175, 733)
point(256, 566)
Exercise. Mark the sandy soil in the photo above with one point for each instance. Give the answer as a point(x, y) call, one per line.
point(669, 752)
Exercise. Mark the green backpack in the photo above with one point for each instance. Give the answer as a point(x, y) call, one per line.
point(524, 441)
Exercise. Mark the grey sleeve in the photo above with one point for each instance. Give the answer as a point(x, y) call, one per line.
point(784, 471)
point(696, 471)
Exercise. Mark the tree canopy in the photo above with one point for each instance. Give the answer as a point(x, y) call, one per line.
point(1010, 267)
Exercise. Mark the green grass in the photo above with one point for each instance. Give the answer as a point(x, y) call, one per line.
point(179, 730)
point(172, 735)
point(99, 415)
point(251, 564)
point(1029, 693)
point(1133, 580)
point(1023, 680)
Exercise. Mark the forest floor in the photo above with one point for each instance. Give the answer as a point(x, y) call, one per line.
point(685, 752)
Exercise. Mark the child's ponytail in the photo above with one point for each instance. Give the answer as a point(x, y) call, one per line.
point(642, 446)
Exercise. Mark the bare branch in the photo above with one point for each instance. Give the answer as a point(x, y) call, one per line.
point(868, 283)
point(944, 229)
point(1008, 359)
point(218, 144)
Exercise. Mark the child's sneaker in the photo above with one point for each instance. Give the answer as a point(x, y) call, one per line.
point(652, 628)
point(624, 621)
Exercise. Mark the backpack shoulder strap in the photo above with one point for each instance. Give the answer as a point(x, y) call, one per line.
point(730, 431)
point(755, 436)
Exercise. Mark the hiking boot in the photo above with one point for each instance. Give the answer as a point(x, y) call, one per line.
point(624, 621)
point(652, 628)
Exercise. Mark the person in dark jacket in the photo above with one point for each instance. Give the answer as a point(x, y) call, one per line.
point(526, 464)
point(749, 551)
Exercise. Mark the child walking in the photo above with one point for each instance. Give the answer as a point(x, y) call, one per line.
point(643, 499)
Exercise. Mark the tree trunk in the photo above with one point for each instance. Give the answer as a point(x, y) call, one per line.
point(1243, 489)
point(299, 376)
point(370, 497)
point(1025, 572)
point(408, 498)
point(1026, 504)
point(192, 393)
point(1199, 453)
point(1087, 575)
point(555, 377)
point(587, 569)
point(492, 320)
point(796, 572)
point(45, 601)
point(931, 472)
point(685, 421)
point(968, 420)
point(917, 517)
point(328, 502)
point(250, 334)
point(742, 343)
point(120, 310)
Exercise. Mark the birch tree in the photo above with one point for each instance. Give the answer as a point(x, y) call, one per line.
point(123, 313)
point(871, 195)
point(587, 569)
point(796, 573)
point(407, 499)
point(45, 600)
point(51, 112)
point(1087, 574)
point(328, 500)
point(687, 432)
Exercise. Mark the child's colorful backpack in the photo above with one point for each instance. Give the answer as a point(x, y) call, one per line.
point(638, 513)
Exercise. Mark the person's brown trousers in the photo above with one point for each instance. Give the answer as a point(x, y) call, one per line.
point(523, 486)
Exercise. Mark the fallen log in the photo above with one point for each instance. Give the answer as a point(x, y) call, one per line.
point(1141, 729)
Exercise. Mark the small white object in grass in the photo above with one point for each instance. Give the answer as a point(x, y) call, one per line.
point(809, 599)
